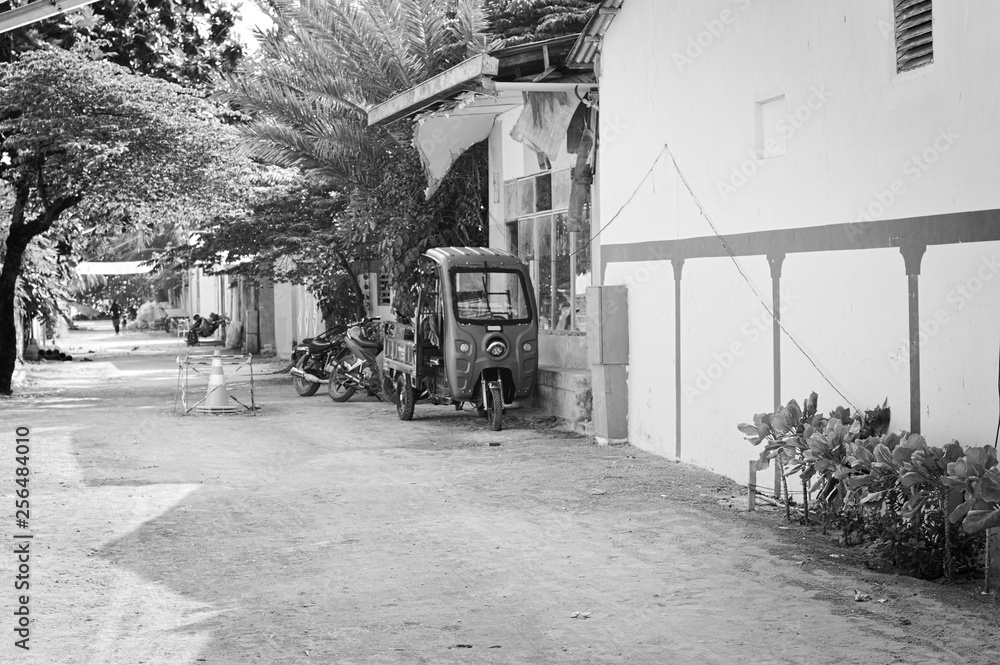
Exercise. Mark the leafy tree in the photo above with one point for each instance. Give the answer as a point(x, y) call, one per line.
point(520, 21)
point(86, 149)
point(293, 232)
point(321, 68)
point(183, 42)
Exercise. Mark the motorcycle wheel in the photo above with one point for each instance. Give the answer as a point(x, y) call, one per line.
point(339, 388)
point(405, 397)
point(494, 408)
point(303, 387)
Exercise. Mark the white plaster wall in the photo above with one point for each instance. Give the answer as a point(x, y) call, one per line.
point(652, 425)
point(848, 310)
point(284, 328)
point(863, 143)
point(860, 124)
point(960, 324)
point(726, 368)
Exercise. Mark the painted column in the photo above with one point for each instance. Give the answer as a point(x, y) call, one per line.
point(678, 268)
point(776, 260)
point(913, 253)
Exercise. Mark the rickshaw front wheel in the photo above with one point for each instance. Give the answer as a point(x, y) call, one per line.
point(405, 397)
point(494, 407)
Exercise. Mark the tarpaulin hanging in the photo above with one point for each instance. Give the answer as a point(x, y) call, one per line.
point(545, 120)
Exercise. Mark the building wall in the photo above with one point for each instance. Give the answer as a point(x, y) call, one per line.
point(296, 316)
point(861, 144)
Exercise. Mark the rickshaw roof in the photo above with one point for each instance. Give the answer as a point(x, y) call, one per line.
point(473, 257)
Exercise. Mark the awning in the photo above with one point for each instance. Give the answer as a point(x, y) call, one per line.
point(443, 136)
point(113, 268)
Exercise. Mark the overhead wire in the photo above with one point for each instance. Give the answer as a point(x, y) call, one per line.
point(732, 256)
point(739, 268)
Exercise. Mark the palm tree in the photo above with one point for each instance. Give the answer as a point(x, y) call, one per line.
point(325, 63)
point(519, 21)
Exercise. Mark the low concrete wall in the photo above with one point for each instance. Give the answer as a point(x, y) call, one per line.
point(562, 350)
point(565, 393)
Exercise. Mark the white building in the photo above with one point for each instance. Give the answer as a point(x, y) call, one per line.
point(859, 200)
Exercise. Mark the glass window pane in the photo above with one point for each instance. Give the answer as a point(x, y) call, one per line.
point(526, 196)
point(526, 239)
point(487, 295)
point(510, 209)
point(583, 279)
point(543, 192)
point(563, 309)
point(546, 285)
point(512, 238)
point(560, 190)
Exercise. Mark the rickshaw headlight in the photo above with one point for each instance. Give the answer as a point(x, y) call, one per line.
point(527, 347)
point(497, 349)
point(464, 347)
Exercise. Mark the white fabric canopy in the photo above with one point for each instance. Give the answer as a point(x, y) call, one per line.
point(441, 137)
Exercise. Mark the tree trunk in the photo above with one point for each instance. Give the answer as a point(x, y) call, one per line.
point(359, 296)
point(20, 234)
point(17, 242)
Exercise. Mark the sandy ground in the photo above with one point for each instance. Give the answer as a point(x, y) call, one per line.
point(317, 532)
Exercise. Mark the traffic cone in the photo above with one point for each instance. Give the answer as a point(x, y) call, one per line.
point(217, 399)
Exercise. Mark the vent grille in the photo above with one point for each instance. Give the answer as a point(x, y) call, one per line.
point(914, 35)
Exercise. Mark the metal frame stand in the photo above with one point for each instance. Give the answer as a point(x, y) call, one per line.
point(188, 363)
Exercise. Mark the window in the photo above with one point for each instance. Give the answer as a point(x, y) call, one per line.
point(384, 292)
point(538, 231)
point(914, 35)
point(490, 296)
point(771, 141)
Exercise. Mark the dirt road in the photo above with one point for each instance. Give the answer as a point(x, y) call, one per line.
point(333, 533)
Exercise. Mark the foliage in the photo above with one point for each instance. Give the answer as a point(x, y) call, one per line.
point(88, 149)
point(401, 226)
point(521, 21)
point(325, 63)
point(895, 491)
point(181, 42)
point(321, 68)
point(292, 232)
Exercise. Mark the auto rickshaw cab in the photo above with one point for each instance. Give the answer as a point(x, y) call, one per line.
point(474, 336)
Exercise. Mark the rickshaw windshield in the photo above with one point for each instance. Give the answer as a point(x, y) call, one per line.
point(487, 295)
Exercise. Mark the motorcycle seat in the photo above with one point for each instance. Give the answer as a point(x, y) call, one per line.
point(317, 346)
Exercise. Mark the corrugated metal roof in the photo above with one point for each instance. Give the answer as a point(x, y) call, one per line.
point(588, 45)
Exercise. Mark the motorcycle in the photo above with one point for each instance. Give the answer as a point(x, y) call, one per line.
point(358, 366)
point(205, 328)
point(311, 358)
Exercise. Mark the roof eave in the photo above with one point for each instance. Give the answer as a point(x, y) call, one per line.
point(445, 85)
point(588, 44)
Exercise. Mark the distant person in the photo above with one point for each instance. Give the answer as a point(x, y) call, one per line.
point(116, 315)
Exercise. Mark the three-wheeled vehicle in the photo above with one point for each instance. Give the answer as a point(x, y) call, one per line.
point(473, 338)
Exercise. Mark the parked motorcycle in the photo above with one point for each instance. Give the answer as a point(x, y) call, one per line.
point(311, 358)
point(359, 365)
point(204, 327)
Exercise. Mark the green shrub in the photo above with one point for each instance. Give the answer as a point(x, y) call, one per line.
point(895, 492)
